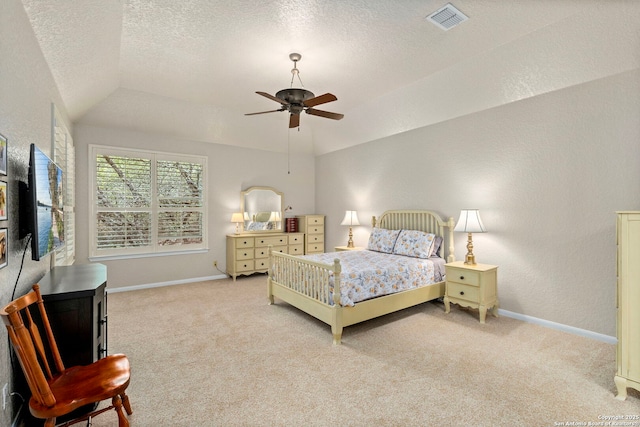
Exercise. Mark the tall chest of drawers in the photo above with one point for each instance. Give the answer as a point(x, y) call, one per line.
point(628, 303)
point(249, 253)
point(313, 228)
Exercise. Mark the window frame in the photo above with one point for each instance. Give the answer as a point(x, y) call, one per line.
point(154, 249)
point(63, 151)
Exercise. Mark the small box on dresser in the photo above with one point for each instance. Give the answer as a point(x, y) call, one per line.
point(313, 228)
point(472, 285)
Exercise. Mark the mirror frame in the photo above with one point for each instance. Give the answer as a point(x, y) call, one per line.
point(279, 224)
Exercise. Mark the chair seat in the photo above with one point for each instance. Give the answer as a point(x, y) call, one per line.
point(83, 385)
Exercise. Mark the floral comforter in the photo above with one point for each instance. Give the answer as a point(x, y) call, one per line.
point(369, 274)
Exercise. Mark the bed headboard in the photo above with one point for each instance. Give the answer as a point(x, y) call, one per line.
point(426, 221)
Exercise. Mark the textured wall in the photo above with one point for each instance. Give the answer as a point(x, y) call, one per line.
point(27, 90)
point(547, 174)
point(231, 170)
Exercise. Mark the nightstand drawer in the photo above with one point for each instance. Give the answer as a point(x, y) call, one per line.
point(465, 276)
point(461, 291)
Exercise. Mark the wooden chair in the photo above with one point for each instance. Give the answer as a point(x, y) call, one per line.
point(56, 390)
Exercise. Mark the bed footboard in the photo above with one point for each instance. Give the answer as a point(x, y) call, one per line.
point(308, 286)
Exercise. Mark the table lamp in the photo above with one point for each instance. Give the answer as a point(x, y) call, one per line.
point(470, 222)
point(237, 218)
point(350, 219)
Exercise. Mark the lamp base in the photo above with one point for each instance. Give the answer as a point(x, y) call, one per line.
point(470, 258)
point(350, 242)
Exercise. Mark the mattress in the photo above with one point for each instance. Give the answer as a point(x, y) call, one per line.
point(369, 274)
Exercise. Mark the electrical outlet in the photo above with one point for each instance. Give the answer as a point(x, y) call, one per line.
point(215, 263)
point(4, 396)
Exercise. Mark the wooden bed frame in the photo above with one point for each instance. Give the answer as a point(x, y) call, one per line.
point(282, 282)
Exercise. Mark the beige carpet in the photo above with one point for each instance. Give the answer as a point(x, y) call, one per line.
point(216, 354)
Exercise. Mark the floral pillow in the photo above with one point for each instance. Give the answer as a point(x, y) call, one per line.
point(383, 240)
point(414, 243)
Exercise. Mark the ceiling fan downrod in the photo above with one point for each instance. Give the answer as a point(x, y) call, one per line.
point(295, 57)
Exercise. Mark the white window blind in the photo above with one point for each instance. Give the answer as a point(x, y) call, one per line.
point(146, 202)
point(64, 156)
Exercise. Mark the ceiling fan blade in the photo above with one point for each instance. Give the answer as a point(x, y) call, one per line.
point(322, 99)
point(273, 98)
point(263, 112)
point(294, 121)
point(327, 114)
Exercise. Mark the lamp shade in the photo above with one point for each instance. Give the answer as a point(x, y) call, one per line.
point(470, 222)
point(350, 218)
point(237, 217)
point(275, 217)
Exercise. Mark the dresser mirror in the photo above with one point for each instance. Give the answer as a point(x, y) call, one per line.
point(262, 209)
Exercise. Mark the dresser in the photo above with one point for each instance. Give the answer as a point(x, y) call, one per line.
point(313, 228)
point(628, 303)
point(249, 253)
point(472, 285)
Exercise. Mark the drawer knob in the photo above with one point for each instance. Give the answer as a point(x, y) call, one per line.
point(461, 277)
point(461, 292)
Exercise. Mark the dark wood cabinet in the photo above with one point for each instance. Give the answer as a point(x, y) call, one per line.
point(76, 302)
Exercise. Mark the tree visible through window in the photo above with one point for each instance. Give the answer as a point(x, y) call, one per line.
point(147, 202)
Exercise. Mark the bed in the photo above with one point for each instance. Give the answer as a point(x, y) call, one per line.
point(308, 283)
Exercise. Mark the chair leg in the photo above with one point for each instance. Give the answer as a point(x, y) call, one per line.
point(126, 404)
point(51, 422)
point(117, 404)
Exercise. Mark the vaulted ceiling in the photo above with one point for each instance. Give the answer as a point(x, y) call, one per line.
point(190, 68)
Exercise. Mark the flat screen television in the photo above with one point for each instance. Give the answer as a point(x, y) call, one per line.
point(45, 209)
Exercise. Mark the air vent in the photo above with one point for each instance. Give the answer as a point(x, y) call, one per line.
point(447, 17)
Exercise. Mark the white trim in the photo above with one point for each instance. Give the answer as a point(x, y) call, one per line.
point(161, 284)
point(559, 326)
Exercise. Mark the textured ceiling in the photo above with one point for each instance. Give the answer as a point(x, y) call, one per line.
point(190, 68)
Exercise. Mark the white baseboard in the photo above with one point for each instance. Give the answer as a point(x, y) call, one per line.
point(559, 326)
point(161, 284)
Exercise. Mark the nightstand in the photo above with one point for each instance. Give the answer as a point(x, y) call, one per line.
point(472, 286)
point(344, 248)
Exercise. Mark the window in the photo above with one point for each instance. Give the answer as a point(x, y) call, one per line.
point(146, 203)
point(64, 156)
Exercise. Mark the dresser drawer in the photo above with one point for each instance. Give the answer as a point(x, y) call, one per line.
point(461, 291)
point(296, 249)
point(262, 264)
point(315, 248)
point(245, 265)
point(315, 238)
point(242, 254)
point(246, 242)
point(273, 241)
point(315, 219)
point(315, 229)
point(296, 238)
point(264, 252)
point(464, 276)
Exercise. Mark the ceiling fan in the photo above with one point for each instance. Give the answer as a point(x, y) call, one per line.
point(295, 100)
